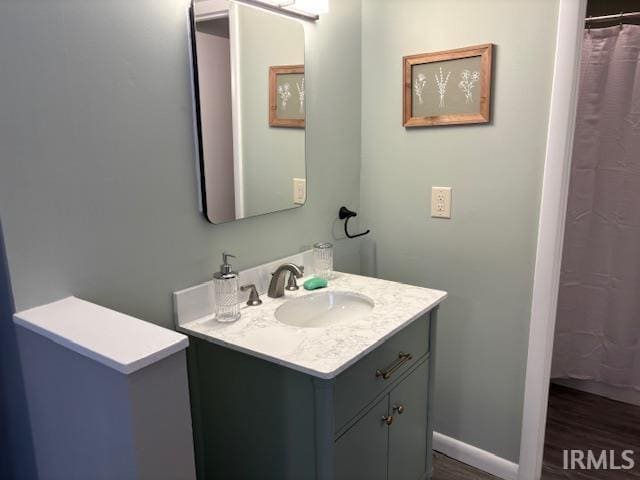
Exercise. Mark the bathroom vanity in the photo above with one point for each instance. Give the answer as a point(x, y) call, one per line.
point(345, 400)
point(334, 385)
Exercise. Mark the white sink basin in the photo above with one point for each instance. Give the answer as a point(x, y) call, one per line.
point(323, 309)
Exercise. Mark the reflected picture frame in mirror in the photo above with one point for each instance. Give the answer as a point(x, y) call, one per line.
point(287, 96)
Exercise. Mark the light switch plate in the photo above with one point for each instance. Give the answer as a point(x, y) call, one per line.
point(299, 190)
point(441, 202)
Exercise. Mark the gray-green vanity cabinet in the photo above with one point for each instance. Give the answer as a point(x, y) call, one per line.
point(256, 420)
point(371, 449)
point(362, 451)
point(408, 433)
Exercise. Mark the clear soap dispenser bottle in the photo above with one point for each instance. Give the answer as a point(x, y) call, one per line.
point(225, 287)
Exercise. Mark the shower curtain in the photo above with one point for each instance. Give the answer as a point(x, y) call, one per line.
point(598, 322)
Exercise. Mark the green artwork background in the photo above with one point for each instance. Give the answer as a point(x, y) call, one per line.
point(454, 97)
point(292, 110)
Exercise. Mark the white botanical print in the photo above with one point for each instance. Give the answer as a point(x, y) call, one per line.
point(467, 83)
point(284, 91)
point(300, 87)
point(442, 85)
point(418, 86)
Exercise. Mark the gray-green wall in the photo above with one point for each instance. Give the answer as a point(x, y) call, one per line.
point(484, 255)
point(97, 182)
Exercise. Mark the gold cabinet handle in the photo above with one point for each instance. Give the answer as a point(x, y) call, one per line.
point(398, 408)
point(388, 419)
point(387, 372)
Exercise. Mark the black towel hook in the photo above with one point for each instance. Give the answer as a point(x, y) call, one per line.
point(345, 214)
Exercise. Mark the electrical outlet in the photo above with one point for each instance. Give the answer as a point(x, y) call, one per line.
point(441, 202)
point(299, 190)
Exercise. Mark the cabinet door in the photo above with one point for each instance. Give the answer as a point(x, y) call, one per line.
point(361, 453)
point(408, 433)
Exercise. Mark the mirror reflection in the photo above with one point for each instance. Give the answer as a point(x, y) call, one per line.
point(250, 109)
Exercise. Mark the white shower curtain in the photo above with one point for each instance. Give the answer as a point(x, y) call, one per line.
point(598, 323)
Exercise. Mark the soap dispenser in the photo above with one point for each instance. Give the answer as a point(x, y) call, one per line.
point(225, 287)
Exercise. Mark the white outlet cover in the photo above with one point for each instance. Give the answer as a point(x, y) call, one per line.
point(441, 202)
point(299, 191)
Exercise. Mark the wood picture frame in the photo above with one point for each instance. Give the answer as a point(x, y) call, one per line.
point(426, 100)
point(287, 111)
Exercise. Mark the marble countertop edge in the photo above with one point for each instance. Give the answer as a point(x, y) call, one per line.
point(323, 366)
point(323, 374)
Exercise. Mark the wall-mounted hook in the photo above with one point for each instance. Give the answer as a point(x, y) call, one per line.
point(345, 214)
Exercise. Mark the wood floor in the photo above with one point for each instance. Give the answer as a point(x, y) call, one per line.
point(576, 420)
point(445, 468)
point(582, 421)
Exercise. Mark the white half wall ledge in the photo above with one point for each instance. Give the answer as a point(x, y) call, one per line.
point(475, 457)
point(116, 340)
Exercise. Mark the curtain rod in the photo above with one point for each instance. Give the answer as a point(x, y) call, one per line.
point(620, 16)
point(281, 9)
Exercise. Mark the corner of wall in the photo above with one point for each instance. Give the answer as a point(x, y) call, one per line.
point(17, 460)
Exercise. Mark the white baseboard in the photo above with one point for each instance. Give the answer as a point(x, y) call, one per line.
point(480, 459)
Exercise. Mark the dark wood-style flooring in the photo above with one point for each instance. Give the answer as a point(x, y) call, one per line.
point(445, 468)
point(576, 420)
point(582, 421)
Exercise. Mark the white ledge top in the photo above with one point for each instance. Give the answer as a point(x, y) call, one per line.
point(323, 352)
point(112, 338)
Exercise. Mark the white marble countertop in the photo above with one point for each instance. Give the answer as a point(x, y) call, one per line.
point(321, 351)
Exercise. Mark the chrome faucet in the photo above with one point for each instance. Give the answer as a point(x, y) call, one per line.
point(276, 286)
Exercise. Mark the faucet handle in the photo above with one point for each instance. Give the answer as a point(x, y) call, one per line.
point(292, 284)
point(254, 297)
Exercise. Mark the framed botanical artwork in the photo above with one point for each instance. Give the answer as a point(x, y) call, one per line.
point(286, 96)
point(447, 88)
